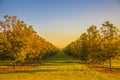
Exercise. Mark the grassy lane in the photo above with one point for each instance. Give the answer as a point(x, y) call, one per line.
point(59, 67)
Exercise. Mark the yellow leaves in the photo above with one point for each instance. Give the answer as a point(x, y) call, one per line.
point(21, 40)
point(3, 37)
point(21, 55)
point(97, 44)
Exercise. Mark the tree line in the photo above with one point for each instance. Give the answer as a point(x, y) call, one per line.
point(96, 45)
point(19, 42)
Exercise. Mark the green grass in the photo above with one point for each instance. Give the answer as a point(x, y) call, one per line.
point(58, 67)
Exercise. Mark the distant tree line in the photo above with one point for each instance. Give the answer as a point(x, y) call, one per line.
point(19, 42)
point(96, 45)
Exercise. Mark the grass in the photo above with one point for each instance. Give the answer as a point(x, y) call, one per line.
point(58, 67)
point(104, 68)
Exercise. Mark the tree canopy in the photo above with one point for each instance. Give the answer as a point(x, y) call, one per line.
point(20, 42)
point(96, 45)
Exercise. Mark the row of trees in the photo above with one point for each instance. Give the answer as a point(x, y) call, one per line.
point(19, 42)
point(96, 45)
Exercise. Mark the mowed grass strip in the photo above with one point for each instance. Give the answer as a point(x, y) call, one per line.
point(58, 67)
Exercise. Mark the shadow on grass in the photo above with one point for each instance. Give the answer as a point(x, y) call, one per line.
point(60, 62)
point(29, 71)
point(57, 60)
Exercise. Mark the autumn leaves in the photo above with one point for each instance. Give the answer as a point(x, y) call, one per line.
point(97, 45)
point(19, 42)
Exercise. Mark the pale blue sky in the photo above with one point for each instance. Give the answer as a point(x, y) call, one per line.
point(54, 18)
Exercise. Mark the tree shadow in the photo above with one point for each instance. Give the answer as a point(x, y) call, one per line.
point(60, 62)
point(29, 71)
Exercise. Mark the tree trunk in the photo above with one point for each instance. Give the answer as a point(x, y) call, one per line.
point(13, 65)
point(110, 64)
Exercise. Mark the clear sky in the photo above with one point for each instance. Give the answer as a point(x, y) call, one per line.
point(62, 21)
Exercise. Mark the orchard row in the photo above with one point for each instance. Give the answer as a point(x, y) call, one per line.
point(96, 45)
point(19, 42)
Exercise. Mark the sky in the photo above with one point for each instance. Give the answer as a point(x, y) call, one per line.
point(62, 21)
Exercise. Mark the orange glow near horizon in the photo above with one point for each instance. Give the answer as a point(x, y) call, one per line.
point(59, 40)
